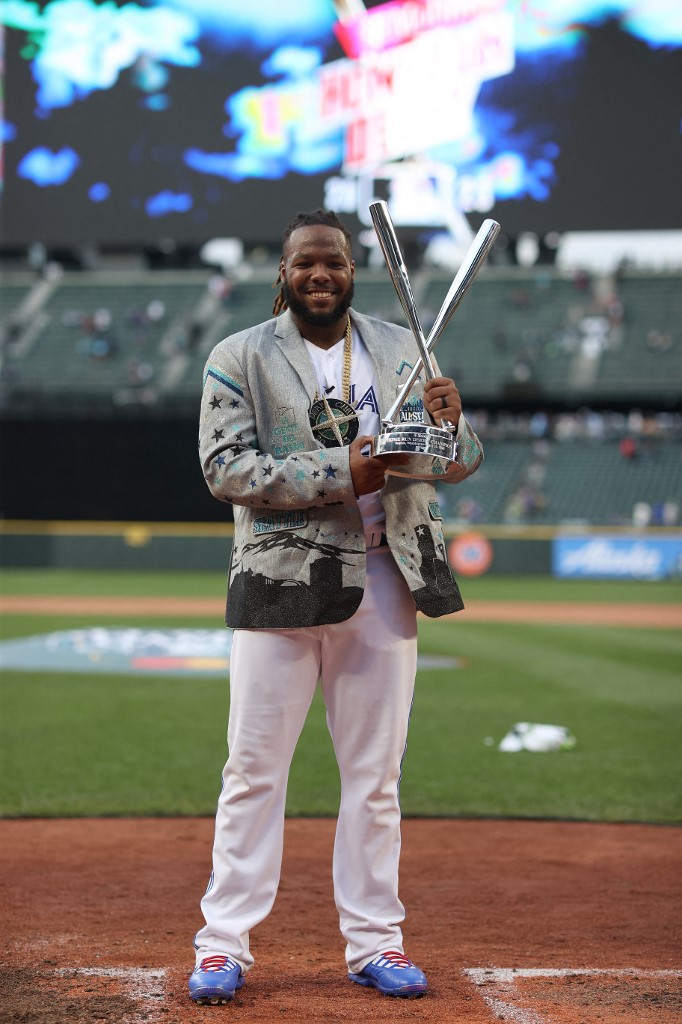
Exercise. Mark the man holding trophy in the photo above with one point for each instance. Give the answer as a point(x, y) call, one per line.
point(326, 430)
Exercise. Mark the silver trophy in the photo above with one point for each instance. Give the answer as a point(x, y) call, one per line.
point(431, 449)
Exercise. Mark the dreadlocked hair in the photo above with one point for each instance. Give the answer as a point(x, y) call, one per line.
point(307, 219)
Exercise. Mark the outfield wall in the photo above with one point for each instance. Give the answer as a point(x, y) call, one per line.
point(653, 553)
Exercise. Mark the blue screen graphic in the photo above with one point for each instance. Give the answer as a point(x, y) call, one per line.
point(129, 123)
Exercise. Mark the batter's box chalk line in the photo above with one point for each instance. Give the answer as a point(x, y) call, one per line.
point(139, 984)
point(502, 996)
point(499, 985)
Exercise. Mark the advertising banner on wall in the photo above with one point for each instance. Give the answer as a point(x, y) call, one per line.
point(615, 557)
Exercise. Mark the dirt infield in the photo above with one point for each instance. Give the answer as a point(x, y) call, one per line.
point(652, 616)
point(528, 922)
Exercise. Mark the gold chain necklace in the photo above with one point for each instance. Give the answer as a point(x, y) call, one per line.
point(347, 355)
point(340, 426)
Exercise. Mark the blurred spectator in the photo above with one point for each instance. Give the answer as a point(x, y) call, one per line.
point(137, 318)
point(97, 346)
point(525, 504)
point(635, 421)
point(659, 341)
point(541, 450)
point(153, 313)
point(659, 513)
point(468, 511)
point(156, 310)
point(671, 513)
point(102, 320)
point(594, 424)
point(520, 298)
point(73, 318)
point(583, 424)
point(220, 288)
point(615, 311)
point(102, 348)
point(628, 448)
point(479, 420)
point(539, 424)
point(582, 281)
point(641, 513)
point(595, 332)
point(139, 373)
point(522, 371)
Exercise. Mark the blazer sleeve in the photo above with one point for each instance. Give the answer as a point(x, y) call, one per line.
point(469, 449)
point(469, 454)
point(236, 470)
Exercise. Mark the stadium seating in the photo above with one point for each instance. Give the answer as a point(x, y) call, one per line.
point(571, 483)
point(13, 293)
point(482, 498)
point(518, 335)
point(594, 483)
point(99, 335)
point(644, 358)
point(504, 337)
point(101, 342)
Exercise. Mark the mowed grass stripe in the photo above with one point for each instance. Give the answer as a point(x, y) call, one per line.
point(55, 582)
point(121, 745)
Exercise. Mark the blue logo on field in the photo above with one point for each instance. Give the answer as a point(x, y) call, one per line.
point(146, 652)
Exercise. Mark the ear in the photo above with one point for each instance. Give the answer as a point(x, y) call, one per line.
point(282, 271)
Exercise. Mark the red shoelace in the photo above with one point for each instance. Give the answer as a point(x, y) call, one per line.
point(217, 963)
point(392, 958)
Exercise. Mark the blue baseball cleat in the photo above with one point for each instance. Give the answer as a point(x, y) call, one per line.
point(393, 974)
point(215, 980)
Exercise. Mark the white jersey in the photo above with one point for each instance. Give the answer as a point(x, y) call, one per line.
point(328, 364)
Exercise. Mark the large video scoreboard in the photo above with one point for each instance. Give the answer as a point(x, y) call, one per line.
point(130, 123)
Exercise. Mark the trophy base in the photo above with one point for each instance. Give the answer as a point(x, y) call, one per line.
point(431, 450)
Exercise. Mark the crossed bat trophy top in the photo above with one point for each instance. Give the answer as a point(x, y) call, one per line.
point(431, 449)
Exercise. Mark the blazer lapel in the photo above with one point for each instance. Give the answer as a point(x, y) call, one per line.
point(292, 347)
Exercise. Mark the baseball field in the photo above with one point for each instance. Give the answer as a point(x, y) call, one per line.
point(541, 887)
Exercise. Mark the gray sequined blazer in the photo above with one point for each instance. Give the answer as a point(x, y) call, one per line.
point(299, 551)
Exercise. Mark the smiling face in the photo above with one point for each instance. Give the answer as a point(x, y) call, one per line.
point(317, 271)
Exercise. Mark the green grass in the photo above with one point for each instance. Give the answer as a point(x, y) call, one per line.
point(50, 582)
point(108, 745)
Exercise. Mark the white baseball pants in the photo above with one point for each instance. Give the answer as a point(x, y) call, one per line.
point(367, 667)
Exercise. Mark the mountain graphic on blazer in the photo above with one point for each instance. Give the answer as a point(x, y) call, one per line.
point(267, 600)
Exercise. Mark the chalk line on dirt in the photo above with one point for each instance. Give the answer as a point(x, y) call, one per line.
point(139, 984)
point(500, 983)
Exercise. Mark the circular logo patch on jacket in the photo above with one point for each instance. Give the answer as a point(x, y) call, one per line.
point(334, 422)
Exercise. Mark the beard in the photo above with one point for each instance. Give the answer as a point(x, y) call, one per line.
point(298, 307)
